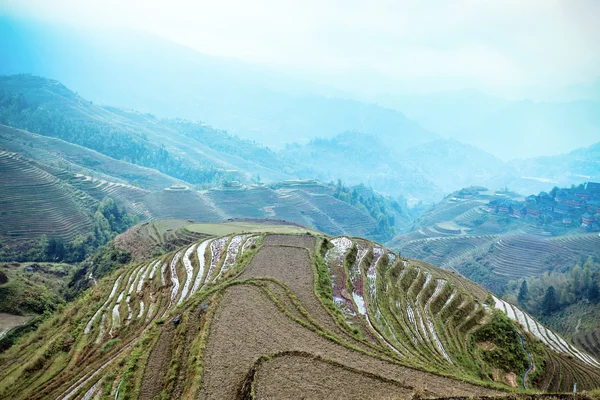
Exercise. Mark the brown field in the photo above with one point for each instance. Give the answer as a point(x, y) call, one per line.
point(248, 325)
point(299, 376)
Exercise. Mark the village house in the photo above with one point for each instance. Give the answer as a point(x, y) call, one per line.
point(546, 204)
point(492, 206)
point(593, 207)
point(567, 221)
point(531, 199)
point(587, 220)
point(533, 210)
point(570, 200)
point(519, 211)
point(504, 207)
point(562, 209)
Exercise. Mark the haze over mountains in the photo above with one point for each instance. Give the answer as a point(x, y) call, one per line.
point(409, 152)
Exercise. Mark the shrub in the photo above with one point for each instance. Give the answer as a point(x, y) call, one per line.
point(508, 353)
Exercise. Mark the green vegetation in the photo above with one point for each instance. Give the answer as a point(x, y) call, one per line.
point(503, 348)
point(381, 209)
point(33, 288)
point(553, 291)
point(19, 111)
point(108, 221)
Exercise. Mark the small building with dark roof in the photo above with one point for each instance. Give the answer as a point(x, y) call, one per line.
point(533, 210)
point(587, 219)
point(531, 199)
point(519, 211)
point(593, 207)
point(570, 200)
point(504, 207)
point(562, 209)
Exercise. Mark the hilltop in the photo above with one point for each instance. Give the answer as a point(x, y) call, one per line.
point(220, 317)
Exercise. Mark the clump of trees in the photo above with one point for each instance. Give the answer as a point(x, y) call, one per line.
point(553, 291)
point(377, 206)
point(109, 221)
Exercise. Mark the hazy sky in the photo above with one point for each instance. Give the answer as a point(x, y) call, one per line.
point(505, 46)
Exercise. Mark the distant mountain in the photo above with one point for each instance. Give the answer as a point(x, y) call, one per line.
point(578, 166)
point(426, 171)
point(527, 128)
point(193, 152)
point(505, 128)
point(356, 158)
point(444, 112)
point(450, 164)
point(154, 75)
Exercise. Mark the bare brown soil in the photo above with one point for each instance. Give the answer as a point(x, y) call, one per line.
point(248, 325)
point(158, 362)
point(293, 267)
point(510, 379)
point(296, 377)
point(192, 329)
point(285, 300)
point(306, 241)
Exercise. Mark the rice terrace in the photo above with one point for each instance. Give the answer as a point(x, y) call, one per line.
point(299, 200)
point(222, 317)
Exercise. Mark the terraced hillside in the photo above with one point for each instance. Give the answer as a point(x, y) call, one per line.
point(34, 202)
point(58, 201)
point(286, 316)
point(589, 341)
point(77, 159)
point(47, 101)
point(462, 235)
point(149, 238)
point(506, 256)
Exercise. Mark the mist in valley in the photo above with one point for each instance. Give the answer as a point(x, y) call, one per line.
point(422, 103)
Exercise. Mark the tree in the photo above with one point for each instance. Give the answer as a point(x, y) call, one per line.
point(523, 293)
point(44, 242)
point(550, 302)
point(594, 293)
point(3, 278)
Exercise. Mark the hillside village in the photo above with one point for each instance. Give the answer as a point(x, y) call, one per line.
point(577, 207)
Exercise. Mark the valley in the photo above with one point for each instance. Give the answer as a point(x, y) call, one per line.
point(318, 201)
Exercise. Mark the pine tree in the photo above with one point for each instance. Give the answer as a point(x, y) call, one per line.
point(550, 302)
point(523, 293)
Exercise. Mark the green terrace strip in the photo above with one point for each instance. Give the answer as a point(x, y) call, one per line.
point(222, 317)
